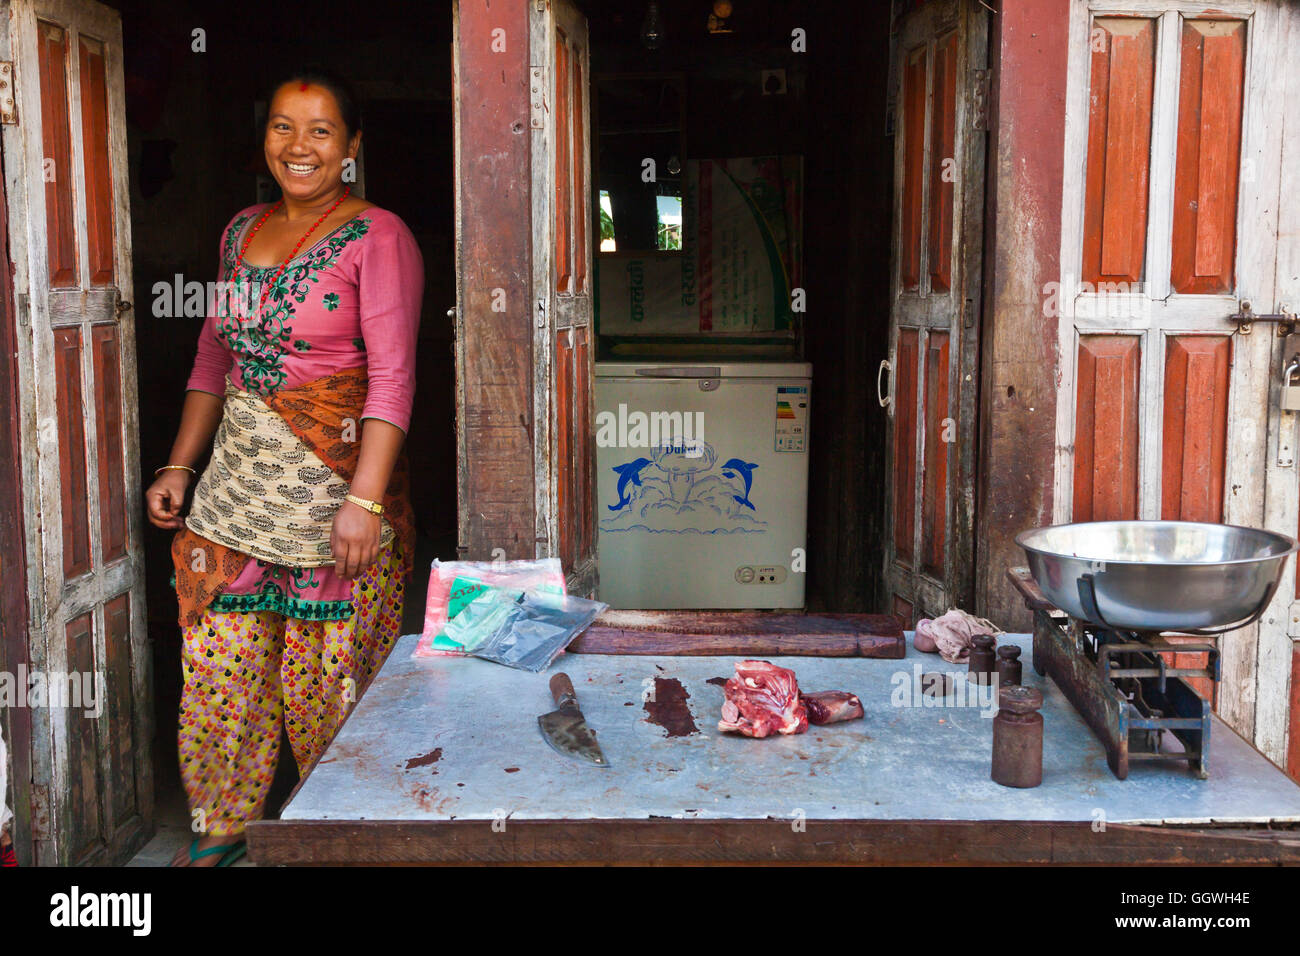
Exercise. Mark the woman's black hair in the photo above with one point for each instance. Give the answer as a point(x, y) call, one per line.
point(339, 88)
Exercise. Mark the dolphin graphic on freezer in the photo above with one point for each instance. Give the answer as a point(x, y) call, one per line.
point(717, 521)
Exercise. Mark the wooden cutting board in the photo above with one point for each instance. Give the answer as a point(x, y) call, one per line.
point(747, 633)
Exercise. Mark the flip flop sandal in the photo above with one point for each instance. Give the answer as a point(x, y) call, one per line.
point(233, 853)
point(230, 852)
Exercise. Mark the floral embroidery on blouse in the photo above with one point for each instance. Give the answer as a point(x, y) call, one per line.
point(264, 344)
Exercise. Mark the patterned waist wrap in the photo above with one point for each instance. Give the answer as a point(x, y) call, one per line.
point(281, 465)
point(265, 493)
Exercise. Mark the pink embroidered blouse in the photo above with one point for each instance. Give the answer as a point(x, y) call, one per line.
point(350, 299)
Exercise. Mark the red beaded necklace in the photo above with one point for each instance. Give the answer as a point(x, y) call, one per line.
point(266, 287)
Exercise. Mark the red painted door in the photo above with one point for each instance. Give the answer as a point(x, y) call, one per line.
point(934, 322)
point(564, 356)
point(69, 236)
point(1175, 143)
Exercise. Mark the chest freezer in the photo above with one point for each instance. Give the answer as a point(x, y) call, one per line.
point(702, 483)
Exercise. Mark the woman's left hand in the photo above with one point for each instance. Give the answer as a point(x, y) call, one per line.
point(354, 540)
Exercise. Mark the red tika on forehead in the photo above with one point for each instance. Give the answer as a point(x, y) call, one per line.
point(302, 88)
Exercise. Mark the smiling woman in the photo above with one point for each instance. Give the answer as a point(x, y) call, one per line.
point(291, 564)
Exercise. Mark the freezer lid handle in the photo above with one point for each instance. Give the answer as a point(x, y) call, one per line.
point(681, 371)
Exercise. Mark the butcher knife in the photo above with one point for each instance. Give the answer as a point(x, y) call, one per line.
point(565, 729)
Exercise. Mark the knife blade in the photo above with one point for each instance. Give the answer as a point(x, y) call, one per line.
point(565, 729)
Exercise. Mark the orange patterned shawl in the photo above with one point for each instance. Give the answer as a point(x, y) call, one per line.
point(315, 411)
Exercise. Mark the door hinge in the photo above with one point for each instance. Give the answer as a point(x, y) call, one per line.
point(8, 96)
point(537, 96)
point(979, 99)
point(40, 822)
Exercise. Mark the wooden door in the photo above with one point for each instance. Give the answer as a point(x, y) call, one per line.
point(69, 236)
point(563, 345)
point(934, 320)
point(1168, 408)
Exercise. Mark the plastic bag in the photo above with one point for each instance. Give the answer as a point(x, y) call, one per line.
point(446, 599)
point(534, 628)
point(474, 619)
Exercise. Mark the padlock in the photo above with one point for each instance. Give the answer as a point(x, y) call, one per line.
point(1290, 387)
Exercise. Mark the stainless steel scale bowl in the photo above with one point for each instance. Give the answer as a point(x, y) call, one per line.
point(1152, 576)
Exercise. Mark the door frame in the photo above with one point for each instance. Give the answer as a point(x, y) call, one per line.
point(494, 316)
point(16, 722)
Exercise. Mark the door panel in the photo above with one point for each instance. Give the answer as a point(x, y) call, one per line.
point(1167, 407)
point(1106, 430)
point(934, 501)
point(98, 175)
point(75, 500)
point(914, 102)
point(905, 396)
point(1119, 144)
point(939, 163)
point(69, 236)
point(52, 50)
point(1195, 427)
point(563, 359)
point(1211, 77)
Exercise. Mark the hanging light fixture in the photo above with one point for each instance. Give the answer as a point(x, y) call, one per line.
point(718, 17)
point(651, 28)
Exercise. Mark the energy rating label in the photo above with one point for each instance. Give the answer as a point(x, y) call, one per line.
point(791, 418)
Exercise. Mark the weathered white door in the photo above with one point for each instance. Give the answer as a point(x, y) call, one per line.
point(65, 173)
point(563, 342)
point(934, 319)
point(1168, 407)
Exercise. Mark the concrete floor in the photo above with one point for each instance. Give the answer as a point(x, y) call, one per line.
point(173, 822)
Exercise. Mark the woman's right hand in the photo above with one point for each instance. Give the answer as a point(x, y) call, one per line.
point(166, 497)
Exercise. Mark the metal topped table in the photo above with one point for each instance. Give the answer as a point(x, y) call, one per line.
point(442, 761)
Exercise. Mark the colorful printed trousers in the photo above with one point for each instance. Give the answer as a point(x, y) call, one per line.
point(249, 674)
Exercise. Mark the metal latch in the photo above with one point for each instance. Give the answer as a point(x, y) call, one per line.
point(1285, 319)
point(8, 97)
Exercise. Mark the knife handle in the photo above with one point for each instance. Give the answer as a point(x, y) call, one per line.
point(562, 687)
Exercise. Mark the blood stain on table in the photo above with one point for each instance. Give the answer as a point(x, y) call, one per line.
point(719, 681)
point(512, 769)
point(427, 760)
point(667, 708)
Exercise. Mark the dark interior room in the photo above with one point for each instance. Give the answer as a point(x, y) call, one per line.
point(196, 72)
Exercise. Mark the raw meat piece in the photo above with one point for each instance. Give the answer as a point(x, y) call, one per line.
point(762, 699)
point(832, 706)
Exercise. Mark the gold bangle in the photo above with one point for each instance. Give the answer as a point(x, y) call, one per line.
point(176, 467)
point(374, 507)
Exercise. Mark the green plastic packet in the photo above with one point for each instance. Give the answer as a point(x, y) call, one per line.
point(469, 622)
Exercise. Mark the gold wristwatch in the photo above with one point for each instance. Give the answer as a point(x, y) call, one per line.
point(374, 507)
